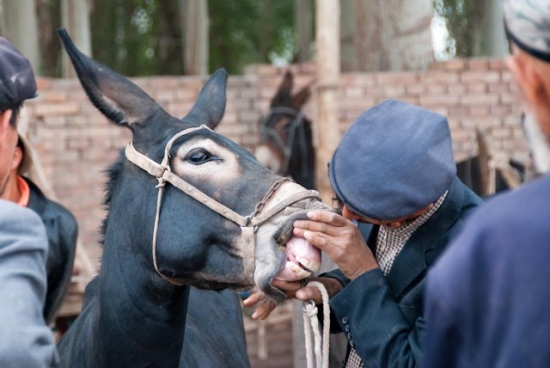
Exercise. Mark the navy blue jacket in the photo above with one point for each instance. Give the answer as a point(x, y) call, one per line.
point(382, 317)
point(488, 298)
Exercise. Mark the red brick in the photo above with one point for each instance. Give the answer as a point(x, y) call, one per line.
point(453, 65)
point(362, 79)
point(497, 64)
point(477, 87)
point(480, 76)
point(479, 111)
point(438, 89)
point(353, 91)
point(397, 78)
point(500, 133)
point(66, 108)
point(416, 89)
point(479, 99)
point(439, 77)
point(441, 100)
point(478, 64)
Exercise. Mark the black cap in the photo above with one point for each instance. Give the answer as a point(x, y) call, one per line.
point(17, 82)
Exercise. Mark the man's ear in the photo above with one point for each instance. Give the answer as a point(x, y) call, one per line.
point(527, 77)
point(17, 158)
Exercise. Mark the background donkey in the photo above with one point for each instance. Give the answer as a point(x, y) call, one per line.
point(286, 140)
point(162, 234)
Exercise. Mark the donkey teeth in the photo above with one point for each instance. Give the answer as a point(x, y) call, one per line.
point(299, 272)
point(310, 264)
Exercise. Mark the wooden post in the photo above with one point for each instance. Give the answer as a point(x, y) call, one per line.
point(75, 17)
point(196, 37)
point(327, 94)
point(20, 26)
point(303, 23)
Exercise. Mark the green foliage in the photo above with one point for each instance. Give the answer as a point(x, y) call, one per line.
point(249, 31)
point(137, 37)
point(462, 18)
point(145, 37)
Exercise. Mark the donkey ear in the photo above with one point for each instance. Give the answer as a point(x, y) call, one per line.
point(302, 96)
point(283, 93)
point(116, 97)
point(210, 105)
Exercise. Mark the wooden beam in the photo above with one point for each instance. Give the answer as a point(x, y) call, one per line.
point(327, 94)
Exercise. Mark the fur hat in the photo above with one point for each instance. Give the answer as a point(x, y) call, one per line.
point(528, 26)
point(394, 160)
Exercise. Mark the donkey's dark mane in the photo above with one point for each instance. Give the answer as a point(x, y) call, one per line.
point(113, 174)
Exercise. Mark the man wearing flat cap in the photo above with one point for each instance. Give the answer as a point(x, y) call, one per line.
point(26, 340)
point(22, 182)
point(488, 298)
point(395, 176)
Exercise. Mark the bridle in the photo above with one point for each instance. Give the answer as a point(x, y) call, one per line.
point(295, 128)
point(249, 224)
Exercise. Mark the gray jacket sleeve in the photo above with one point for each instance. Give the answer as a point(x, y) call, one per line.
point(25, 339)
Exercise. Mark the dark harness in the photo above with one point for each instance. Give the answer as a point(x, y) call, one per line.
point(296, 131)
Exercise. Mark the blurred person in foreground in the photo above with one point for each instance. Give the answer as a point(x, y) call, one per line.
point(394, 174)
point(25, 339)
point(17, 187)
point(488, 298)
point(61, 226)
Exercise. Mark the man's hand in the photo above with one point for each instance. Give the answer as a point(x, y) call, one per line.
point(340, 239)
point(293, 289)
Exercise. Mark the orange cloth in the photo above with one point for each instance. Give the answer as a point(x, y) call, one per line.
point(24, 190)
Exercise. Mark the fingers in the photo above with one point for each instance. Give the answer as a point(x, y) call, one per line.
point(327, 217)
point(323, 222)
point(253, 299)
point(263, 311)
point(309, 293)
point(289, 287)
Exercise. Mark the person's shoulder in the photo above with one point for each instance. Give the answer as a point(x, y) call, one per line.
point(12, 213)
point(20, 226)
point(523, 205)
point(501, 224)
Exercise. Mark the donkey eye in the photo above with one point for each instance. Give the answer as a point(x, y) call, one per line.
point(199, 156)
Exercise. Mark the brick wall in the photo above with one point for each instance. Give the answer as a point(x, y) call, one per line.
point(75, 143)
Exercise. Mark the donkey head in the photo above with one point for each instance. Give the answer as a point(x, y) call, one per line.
point(198, 231)
point(286, 142)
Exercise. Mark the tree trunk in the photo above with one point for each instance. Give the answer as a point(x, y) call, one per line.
point(393, 34)
point(490, 40)
point(75, 17)
point(196, 37)
point(20, 27)
point(347, 29)
point(303, 24)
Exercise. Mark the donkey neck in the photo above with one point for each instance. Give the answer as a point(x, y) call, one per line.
point(141, 317)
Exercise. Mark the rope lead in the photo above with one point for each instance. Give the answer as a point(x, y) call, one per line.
point(311, 326)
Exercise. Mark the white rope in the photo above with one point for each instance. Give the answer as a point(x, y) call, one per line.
point(311, 326)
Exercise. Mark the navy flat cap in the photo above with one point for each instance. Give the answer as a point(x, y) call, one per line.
point(17, 82)
point(394, 160)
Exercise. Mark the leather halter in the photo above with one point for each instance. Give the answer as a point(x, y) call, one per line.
point(248, 224)
point(269, 133)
